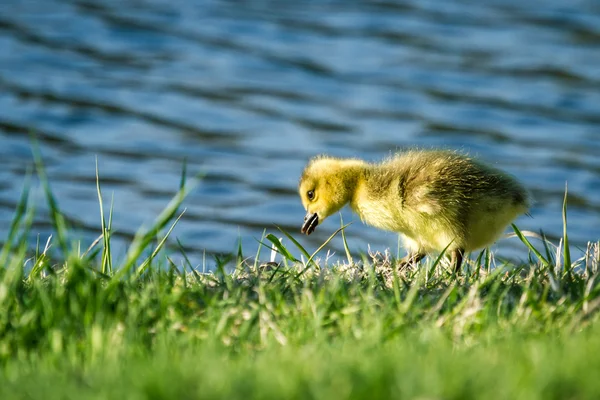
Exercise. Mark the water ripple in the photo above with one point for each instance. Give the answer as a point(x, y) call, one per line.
point(246, 92)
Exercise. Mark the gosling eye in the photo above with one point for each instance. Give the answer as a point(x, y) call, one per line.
point(311, 195)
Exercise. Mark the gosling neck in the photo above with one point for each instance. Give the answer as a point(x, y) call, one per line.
point(351, 173)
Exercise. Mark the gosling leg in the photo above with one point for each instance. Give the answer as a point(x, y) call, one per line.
point(457, 259)
point(410, 259)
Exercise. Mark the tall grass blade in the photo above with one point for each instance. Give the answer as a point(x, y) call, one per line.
point(527, 243)
point(296, 243)
point(346, 248)
point(183, 253)
point(158, 247)
point(260, 245)
point(183, 178)
point(88, 253)
point(310, 259)
point(438, 260)
point(239, 262)
point(56, 216)
point(23, 238)
point(281, 248)
point(488, 260)
point(109, 234)
point(15, 224)
point(566, 250)
point(105, 262)
point(549, 256)
point(144, 237)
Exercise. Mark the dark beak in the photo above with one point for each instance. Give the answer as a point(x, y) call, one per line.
point(310, 223)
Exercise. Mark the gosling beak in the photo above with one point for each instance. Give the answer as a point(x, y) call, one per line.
point(310, 223)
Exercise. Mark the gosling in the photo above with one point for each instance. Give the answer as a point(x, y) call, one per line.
point(435, 199)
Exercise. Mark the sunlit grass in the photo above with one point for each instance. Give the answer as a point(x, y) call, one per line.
point(84, 324)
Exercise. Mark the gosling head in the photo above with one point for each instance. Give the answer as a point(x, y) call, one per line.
point(326, 185)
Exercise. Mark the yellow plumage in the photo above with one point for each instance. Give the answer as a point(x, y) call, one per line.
point(434, 198)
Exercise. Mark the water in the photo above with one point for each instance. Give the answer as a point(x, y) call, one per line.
point(248, 91)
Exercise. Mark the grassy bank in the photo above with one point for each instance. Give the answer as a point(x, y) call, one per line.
point(82, 324)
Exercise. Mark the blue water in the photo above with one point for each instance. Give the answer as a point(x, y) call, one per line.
point(246, 92)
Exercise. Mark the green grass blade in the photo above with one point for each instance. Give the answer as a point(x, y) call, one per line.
point(56, 216)
point(438, 260)
point(566, 250)
point(296, 243)
point(183, 179)
point(142, 268)
point(310, 260)
point(280, 247)
point(530, 246)
point(549, 256)
point(184, 255)
point(488, 260)
point(24, 237)
point(108, 235)
point(328, 240)
point(260, 245)
point(88, 253)
point(345, 242)
point(239, 254)
point(15, 224)
point(144, 237)
point(104, 263)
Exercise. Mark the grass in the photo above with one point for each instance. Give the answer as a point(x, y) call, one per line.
point(83, 324)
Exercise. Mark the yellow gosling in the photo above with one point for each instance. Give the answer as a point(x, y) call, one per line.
point(436, 199)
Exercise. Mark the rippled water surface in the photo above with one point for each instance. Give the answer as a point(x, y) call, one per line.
point(248, 91)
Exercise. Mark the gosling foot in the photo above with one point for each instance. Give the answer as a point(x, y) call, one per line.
point(457, 259)
point(411, 259)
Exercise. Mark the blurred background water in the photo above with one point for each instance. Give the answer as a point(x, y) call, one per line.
point(248, 91)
